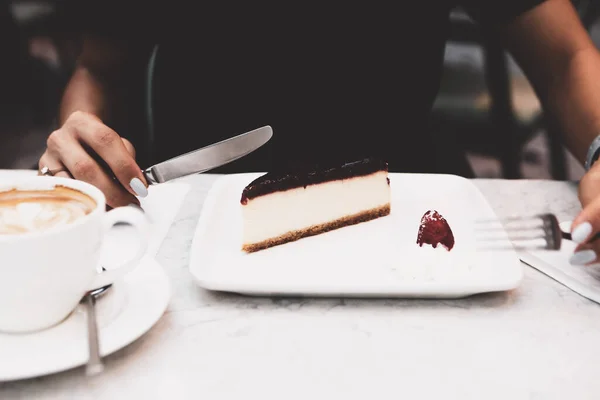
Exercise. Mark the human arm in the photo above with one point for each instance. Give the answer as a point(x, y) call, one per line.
point(563, 65)
point(85, 145)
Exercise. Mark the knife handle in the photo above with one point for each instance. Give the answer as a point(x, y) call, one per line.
point(150, 178)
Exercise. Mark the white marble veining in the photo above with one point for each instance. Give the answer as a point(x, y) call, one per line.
point(540, 341)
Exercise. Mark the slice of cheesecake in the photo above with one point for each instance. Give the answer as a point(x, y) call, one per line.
point(280, 208)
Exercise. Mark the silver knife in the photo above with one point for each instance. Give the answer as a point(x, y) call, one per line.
point(208, 157)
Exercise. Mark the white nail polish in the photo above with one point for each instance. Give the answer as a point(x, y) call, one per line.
point(581, 232)
point(583, 257)
point(138, 187)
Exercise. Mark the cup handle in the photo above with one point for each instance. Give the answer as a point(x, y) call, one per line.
point(137, 219)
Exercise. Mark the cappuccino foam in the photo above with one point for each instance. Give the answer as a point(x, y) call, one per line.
point(24, 211)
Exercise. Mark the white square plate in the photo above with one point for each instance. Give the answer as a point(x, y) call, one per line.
point(379, 258)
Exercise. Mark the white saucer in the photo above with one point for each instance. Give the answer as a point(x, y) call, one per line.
point(128, 310)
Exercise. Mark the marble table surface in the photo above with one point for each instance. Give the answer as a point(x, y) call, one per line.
point(540, 341)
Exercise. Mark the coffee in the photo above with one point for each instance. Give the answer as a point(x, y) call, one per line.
point(24, 211)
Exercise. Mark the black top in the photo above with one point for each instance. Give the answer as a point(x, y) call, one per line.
point(354, 81)
point(306, 174)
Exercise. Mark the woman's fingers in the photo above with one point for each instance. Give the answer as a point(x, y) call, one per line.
point(583, 228)
point(587, 223)
point(54, 164)
point(82, 166)
point(129, 147)
point(585, 254)
point(63, 174)
point(111, 149)
point(94, 153)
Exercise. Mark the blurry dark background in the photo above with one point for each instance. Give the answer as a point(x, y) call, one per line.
point(485, 102)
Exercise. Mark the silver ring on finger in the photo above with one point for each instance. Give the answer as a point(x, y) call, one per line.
point(46, 171)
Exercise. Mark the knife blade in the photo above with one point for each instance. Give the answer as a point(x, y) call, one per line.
point(209, 157)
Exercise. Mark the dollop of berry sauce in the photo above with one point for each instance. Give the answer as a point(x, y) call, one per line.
point(434, 230)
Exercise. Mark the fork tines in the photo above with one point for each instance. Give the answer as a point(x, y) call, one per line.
point(540, 231)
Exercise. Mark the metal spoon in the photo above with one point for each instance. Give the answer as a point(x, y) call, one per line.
point(94, 365)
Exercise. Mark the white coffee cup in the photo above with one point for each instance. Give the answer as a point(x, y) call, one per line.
point(45, 274)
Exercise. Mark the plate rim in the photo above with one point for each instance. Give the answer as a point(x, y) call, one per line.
point(195, 266)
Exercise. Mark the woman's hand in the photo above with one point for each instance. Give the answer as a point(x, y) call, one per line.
point(92, 152)
point(587, 223)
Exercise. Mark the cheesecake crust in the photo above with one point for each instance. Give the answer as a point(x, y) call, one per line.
point(292, 236)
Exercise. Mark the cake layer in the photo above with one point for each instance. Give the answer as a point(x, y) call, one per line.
point(318, 229)
point(301, 177)
point(279, 213)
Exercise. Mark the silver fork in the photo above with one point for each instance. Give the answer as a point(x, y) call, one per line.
point(540, 231)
